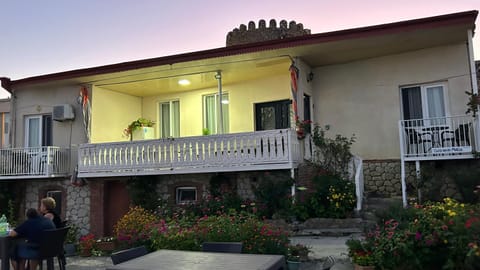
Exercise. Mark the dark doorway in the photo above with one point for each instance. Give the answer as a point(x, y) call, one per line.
point(272, 115)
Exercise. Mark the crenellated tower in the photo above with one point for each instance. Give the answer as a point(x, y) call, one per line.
point(251, 34)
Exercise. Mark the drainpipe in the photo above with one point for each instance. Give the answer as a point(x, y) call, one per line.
point(474, 84)
point(218, 76)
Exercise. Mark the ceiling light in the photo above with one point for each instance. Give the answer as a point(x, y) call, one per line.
point(184, 82)
point(225, 101)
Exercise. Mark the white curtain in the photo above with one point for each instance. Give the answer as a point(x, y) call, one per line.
point(33, 136)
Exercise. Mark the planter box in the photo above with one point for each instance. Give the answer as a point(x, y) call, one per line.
point(359, 267)
point(144, 133)
point(105, 246)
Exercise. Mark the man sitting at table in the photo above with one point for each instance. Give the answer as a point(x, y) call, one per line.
point(32, 230)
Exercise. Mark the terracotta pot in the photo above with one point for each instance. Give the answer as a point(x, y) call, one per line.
point(85, 252)
point(360, 267)
point(105, 246)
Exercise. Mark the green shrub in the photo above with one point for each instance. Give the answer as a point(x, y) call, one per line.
point(133, 229)
point(273, 194)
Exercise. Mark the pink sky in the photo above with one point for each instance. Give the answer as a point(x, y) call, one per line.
point(42, 37)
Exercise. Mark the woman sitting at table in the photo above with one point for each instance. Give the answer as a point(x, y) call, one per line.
point(47, 207)
point(31, 229)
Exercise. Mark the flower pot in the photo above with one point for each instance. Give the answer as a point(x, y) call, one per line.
point(293, 265)
point(361, 267)
point(143, 133)
point(105, 246)
point(70, 249)
point(85, 252)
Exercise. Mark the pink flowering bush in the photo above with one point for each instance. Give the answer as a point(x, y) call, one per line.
point(257, 236)
point(442, 235)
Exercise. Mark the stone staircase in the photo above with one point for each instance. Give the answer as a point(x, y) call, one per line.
point(375, 206)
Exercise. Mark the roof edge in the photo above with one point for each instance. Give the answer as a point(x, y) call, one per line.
point(466, 17)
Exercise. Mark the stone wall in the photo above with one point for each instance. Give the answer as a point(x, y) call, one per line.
point(76, 200)
point(382, 177)
point(244, 35)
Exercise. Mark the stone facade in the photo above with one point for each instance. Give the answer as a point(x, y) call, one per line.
point(382, 177)
point(75, 200)
point(244, 35)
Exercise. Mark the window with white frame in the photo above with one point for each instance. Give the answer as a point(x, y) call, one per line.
point(424, 101)
point(185, 195)
point(211, 113)
point(38, 130)
point(169, 119)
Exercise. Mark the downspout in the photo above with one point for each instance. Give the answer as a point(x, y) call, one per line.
point(218, 76)
point(474, 84)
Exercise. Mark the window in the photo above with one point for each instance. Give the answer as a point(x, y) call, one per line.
point(272, 115)
point(38, 130)
point(4, 129)
point(211, 113)
point(424, 101)
point(186, 195)
point(169, 119)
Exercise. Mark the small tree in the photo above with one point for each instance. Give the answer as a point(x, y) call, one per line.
point(333, 155)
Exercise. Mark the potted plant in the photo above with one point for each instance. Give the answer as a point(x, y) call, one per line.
point(303, 128)
point(71, 240)
point(87, 244)
point(141, 125)
point(296, 255)
point(106, 244)
point(361, 254)
point(473, 102)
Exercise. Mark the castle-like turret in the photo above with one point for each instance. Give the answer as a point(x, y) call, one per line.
point(243, 35)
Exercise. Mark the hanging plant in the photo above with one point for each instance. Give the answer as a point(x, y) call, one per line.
point(472, 104)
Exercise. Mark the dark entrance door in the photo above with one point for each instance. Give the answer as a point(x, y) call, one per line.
point(117, 203)
point(272, 115)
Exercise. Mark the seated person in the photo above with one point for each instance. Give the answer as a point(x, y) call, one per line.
point(47, 207)
point(31, 229)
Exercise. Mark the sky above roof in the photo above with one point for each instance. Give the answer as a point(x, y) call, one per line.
point(42, 37)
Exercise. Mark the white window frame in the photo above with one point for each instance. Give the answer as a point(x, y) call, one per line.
point(178, 190)
point(27, 129)
point(226, 128)
point(171, 118)
point(423, 94)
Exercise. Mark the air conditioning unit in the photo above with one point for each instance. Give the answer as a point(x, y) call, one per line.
point(63, 112)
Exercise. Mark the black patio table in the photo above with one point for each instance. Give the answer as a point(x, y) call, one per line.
point(5, 244)
point(195, 260)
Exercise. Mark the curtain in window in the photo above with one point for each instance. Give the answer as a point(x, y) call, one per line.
point(165, 119)
point(210, 112)
point(226, 122)
point(412, 103)
point(33, 136)
point(436, 105)
point(175, 118)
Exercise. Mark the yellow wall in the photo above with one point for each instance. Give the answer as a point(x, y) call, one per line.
point(112, 112)
point(242, 97)
point(363, 97)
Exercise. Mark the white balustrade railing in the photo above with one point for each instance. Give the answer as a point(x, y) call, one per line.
point(274, 149)
point(437, 138)
point(34, 162)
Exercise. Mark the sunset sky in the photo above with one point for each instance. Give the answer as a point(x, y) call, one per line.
point(42, 37)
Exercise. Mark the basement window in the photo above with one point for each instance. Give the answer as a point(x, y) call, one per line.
point(185, 195)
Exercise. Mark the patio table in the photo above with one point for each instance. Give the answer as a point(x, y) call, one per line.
point(195, 260)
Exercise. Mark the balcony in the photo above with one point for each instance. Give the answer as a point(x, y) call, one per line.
point(34, 162)
point(249, 151)
point(438, 138)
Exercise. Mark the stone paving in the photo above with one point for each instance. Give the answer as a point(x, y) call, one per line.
point(321, 247)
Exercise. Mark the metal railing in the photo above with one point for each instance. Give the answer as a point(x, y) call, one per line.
point(437, 138)
point(34, 162)
point(261, 150)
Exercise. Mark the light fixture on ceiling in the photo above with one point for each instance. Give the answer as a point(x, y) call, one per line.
point(184, 82)
point(225, 101)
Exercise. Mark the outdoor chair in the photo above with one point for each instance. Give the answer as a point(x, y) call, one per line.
point(461, 136)
point(51, 246)
point(128, 254)
point(226, 247)
point(328, 263)
point(414, 139)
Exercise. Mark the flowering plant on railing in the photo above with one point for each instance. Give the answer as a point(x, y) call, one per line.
point(137, 124)
point(303, 127)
